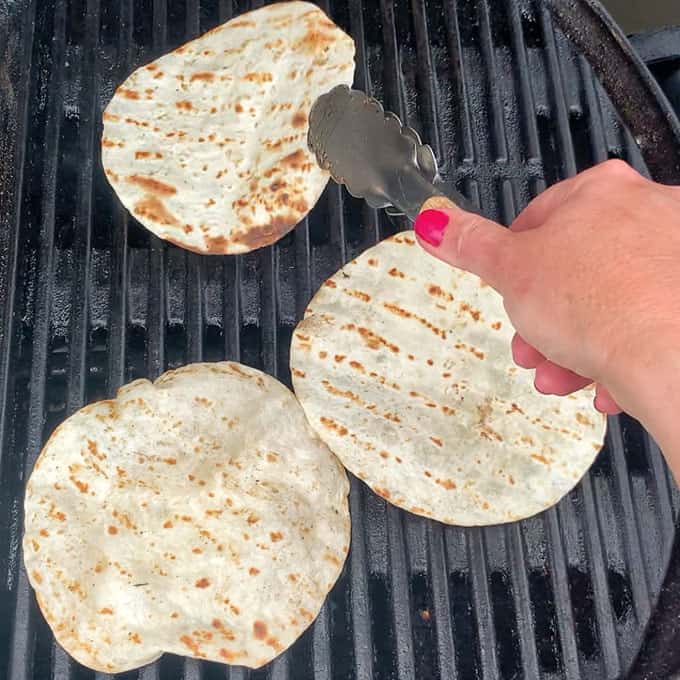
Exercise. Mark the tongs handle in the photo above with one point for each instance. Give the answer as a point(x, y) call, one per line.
point(414, 190)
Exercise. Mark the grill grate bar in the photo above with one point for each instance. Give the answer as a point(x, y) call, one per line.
point(499, 144)
point(12, 213)
point(361, 614)
point(558, 93)
point(10, 220)
point(528, 117)
point(195, 269)
point(455, 45)
point(321, 645)
point(482, 603)
point(632, 538)
point(522, 599)
point(560, 585)
point(118, 316)
point(23, 641)
point(393, 88)
point(446, 653)
point(427, 80)
point(401, 607)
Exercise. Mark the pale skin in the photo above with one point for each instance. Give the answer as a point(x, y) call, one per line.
point(590, 277)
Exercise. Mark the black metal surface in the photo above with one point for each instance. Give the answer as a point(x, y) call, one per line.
point(635, 93)
point(91, 300)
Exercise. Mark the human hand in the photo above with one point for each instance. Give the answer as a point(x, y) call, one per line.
point(590, 277)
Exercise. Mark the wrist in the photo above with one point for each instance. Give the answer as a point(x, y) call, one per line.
point(646, 385)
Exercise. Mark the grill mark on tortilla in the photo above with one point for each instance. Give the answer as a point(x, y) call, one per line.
point(406, 314)
point(204, 76)
point(127, 93)
point(151, 185)
point(371, 339)
point(154, 209)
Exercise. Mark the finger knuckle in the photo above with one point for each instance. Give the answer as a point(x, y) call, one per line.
point(615, 167)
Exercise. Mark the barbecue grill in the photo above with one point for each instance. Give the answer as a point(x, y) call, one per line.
point(91, 300)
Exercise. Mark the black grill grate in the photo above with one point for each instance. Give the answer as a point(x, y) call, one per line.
point(91, 300)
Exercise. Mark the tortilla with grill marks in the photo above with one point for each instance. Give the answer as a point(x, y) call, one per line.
point(198, 515)
point(403, 366)
point(207, 146)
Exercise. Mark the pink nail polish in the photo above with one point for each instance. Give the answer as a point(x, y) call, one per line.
point(430, 226)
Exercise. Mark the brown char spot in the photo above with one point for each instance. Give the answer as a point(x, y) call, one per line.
point(167, 525)
point(295, 160)
point(448, 484)
point(241, 23)
point(330, 284)
point(260, 630)
point(330, 424)
point(541, 459)
point(128, 94)
point(583, 420)
point(299, 119)
point(238, 107)
point(228, 656)
point(315, 42)
point(275, 536)
point(359, 294)
point(437, 441)
point(184, 105)
point(112, 530)
point(36, 576)
point(259, 236)
point(106, 610)
point(474, 313)
point(396, 273)
point(264, 77)
point(253, 571)
point(202, 583)
point(298, 373)
point(496, 326)
point(436, 291)
point(191, 644)
point(82, 486)
point(44, 533)
point(205, 76)
point(375, 341)
point(383, 493)
point(151, 185)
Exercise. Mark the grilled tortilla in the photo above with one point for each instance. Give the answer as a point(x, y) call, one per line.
point(198, 515)
point(207, 146)
point(403, 367)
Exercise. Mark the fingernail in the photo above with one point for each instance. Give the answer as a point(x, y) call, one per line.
point(430, 226)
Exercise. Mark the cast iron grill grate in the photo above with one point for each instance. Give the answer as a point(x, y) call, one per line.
point(91, 300)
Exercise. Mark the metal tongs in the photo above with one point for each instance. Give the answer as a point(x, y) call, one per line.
point(373, 154)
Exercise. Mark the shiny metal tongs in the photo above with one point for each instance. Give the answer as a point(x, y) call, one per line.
point(376, 157)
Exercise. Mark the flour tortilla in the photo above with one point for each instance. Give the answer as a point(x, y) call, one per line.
point(403, 367)
point(207, 146)
point(198, 515)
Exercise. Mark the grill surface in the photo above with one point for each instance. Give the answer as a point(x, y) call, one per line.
point(91, 300)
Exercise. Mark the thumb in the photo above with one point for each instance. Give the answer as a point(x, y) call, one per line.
point(465, 240)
